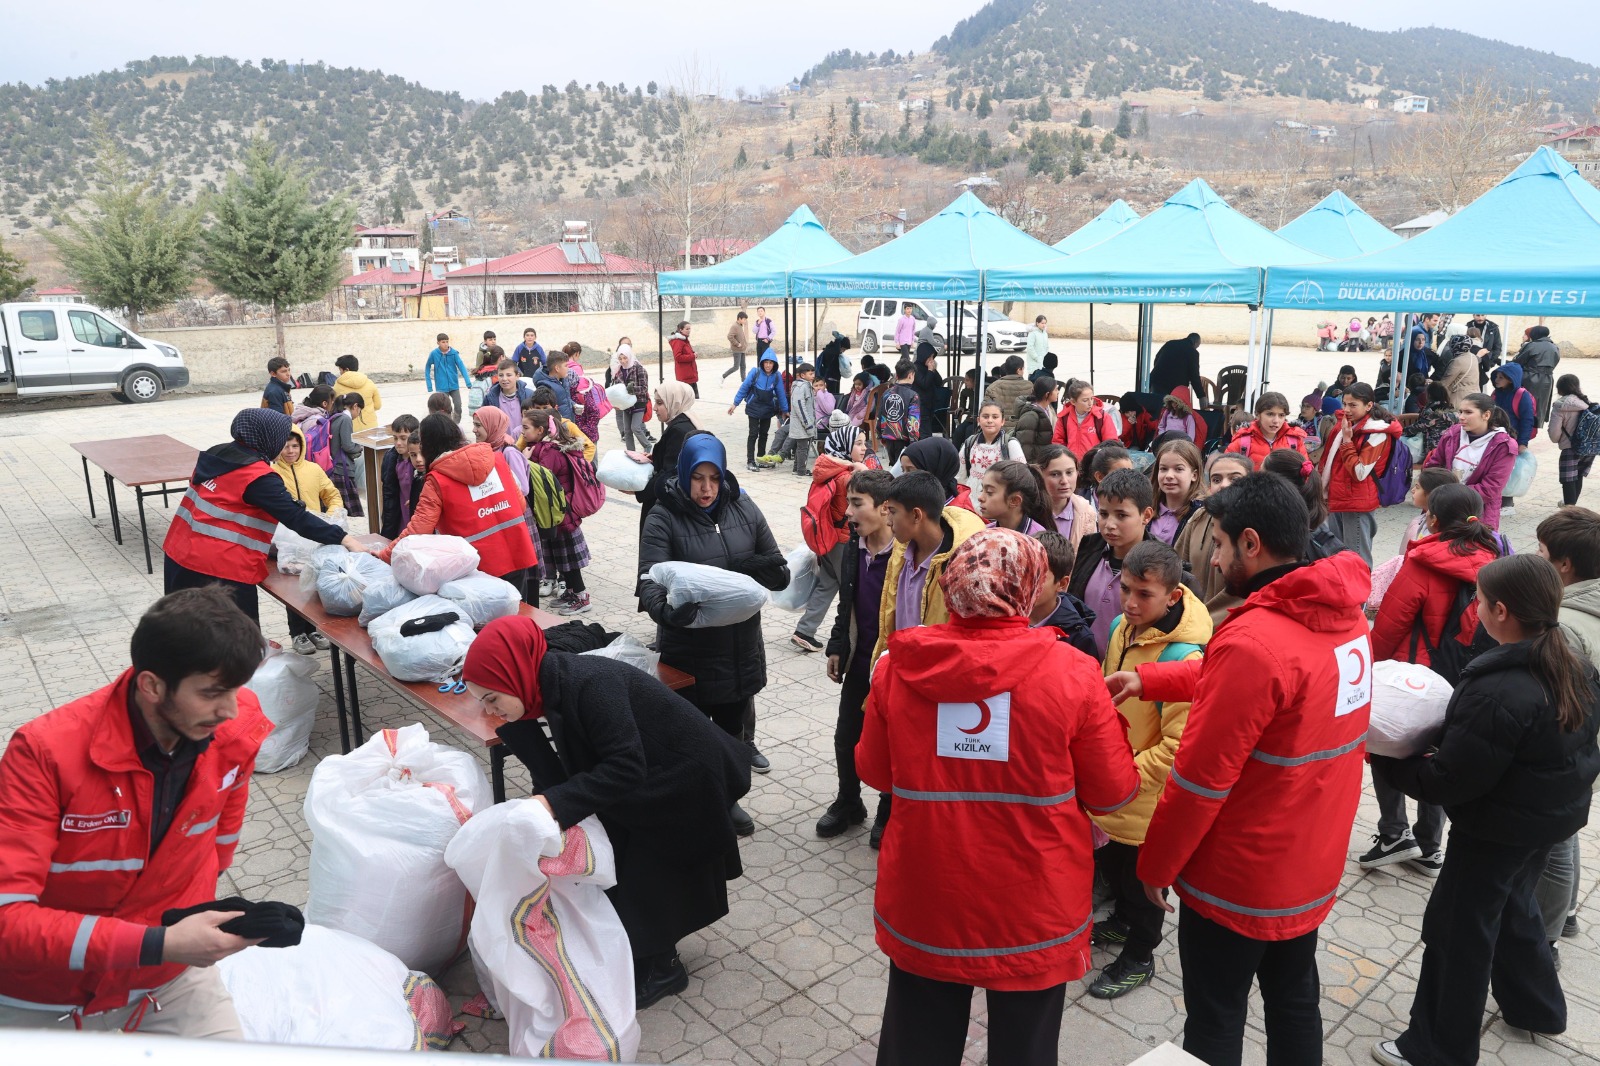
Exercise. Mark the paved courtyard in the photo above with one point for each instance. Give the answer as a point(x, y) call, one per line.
point(792, 975)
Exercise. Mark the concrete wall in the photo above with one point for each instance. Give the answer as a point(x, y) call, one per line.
point(235, 357)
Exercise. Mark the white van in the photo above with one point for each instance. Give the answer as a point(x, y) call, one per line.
point(875, 326)
point(48, 349)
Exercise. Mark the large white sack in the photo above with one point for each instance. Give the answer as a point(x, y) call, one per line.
point(289, 699)
point(1408, 705)
point(483, 597)
point(333, 989)
point(542, 911)
point(382, 596)
point(427, 560)
point(802, 580)
point(293, 550)
point(380, 820)
point(621, 397)
point(618, 469)
point(422, 656)
point(627, 649)
point(724, 596)
point(325, 556)
point(341, 583)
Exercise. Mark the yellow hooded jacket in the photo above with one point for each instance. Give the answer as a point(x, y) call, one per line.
point(306, 481)
point(371, 402)
point(1153, 728)
point(963, 524)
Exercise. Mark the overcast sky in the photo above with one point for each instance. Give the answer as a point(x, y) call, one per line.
point(482, 50)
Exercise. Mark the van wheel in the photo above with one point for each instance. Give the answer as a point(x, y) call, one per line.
point(869, 343)
point(141, 386)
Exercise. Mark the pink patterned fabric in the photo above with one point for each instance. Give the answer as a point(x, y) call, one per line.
point(994, 574)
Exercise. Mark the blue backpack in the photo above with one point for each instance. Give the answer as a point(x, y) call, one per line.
point(1174, 652)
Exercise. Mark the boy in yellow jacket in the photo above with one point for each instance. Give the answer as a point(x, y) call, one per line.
point(307, 483)
point(1161, 621)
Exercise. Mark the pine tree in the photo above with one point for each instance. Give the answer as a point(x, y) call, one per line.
point(1108, 144)
point(741, 160)
point(1086, 119)
point(788, 150)
point(13, 282)
point(1076, 165)
point(1124, 121)
point(269, 243)
point(985, 105)
point(1144, 123)
point(138, 251)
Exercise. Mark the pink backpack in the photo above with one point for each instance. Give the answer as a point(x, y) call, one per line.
point(587, 493)
point(319, 442)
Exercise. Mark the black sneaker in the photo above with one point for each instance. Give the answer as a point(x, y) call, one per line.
point(1122, 977)
point(1388, 852)
point(1429, 864)
point(758, 761)
point(743, 824)
point(839, 818)
point(1569, 928)
point(1113, 932)
point(751, 466)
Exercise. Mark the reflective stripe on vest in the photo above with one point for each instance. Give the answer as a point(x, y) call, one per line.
point(203, 827)
point(80, 942)
point(1316, 756)
point(983, 797)
point(17, 897)
point(224, 534)
point(229, 516)
point(982, 953)
point(1115, 806)
point(96, 866)
point(507, 524)
point(228, 838)
point(1199, 790)
point(1254, 912)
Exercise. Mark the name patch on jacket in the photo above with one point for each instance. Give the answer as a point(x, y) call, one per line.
point(980, 730)
point(1355, 676)
point(89, 823)
point(491, 486)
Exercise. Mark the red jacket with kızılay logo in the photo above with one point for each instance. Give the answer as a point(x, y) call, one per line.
point(1254, 825)
point(214, 531)
point(993, 739)
point(78, 885)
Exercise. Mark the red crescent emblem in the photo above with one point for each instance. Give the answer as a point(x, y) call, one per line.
point(1361, 665)
point(983, 719)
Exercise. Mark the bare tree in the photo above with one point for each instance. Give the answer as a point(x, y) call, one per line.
point(692, 185)
point(1283, 167)
point(1470, 143)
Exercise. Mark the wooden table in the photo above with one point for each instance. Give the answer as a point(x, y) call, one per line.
point(351, 644)
point(374, 442)
point(137, 462)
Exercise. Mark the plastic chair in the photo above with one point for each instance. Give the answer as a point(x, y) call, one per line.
point(1229, 390)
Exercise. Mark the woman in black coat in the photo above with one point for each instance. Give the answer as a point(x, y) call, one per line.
point(703, 517)
point(643, 760)
point(1513, 770)
point(931, 393)
point(674, 406)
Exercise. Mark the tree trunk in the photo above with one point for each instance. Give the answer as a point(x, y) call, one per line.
point(277, 325)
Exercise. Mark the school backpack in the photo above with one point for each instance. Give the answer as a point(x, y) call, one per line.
point(1177, 651)
point(1452, 652)
point(303, 381)
point(546, 497)
point(328, 378)
point(319, 442)
point(1519, 394)
point(1394, 484)
point(817, 527)
point(971, 442)
point(1586, 434)
point(899, 414)
point(587, 493)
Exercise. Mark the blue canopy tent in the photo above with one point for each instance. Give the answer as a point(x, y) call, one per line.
point(759, 272)
point(1193, 249)
point(1107, 224)
point(1339, 229)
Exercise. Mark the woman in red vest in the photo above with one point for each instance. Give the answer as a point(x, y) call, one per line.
point(470, 493)
point(222, 528)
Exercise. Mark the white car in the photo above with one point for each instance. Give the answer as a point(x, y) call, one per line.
point(877, 319)
point(57, 349)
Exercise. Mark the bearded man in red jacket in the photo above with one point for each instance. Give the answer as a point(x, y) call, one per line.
point(122, 805)
point(1253, 828)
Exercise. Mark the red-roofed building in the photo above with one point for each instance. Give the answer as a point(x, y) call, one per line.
point(60, 294)
point(709, 250)
point(1581, 139)
point(430, 300)
point(376, 293)
point(551, 279)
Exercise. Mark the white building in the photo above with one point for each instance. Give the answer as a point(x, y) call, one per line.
point(1410, 105)
point(551, 279)
point(381, 247)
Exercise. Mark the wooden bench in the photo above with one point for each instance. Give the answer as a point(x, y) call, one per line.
point(137, 462)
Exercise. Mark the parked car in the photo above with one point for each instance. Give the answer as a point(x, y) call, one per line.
point(58, 349)
point(875, 326)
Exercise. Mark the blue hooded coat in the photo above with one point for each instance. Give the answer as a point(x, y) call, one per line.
point(1517, 402)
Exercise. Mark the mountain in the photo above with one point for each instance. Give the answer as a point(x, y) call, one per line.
point(1106, 47)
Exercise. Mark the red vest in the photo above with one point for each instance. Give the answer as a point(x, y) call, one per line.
point(489, 517)
point(214, 532)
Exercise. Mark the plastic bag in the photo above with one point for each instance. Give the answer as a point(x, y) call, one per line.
point(560, 970)
point(431, 656)
point(340, 584)
point(325, 556)
point(333, 989)
point(1408, 705)
point(620, 470)
point(621, 396)
point(725, 597)
point(424, 562)
point(802, 580)
point(482, 597)
point(293, 550)
point(382, 596)
point(289, 699)
point(628, 650)
point(1522, 474)
point(380, 820)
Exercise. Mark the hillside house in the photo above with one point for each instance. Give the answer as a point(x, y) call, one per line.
point(914, 104)
point(551, 279)
point(1422, 223)
point(428, 301)
point(60, 294)
point(710, 250)
point(384, 246)
point(1583, 139)
point(1410, 105)
point(376, 293)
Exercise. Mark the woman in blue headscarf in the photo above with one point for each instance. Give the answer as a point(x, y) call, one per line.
point(222, 528)
point(703, 517)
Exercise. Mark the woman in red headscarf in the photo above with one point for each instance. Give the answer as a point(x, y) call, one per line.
point(657, 772)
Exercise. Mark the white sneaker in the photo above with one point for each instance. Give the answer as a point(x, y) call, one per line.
point(320, 642)
point(303, 645)
point(1388, 1053)
point(547, 589)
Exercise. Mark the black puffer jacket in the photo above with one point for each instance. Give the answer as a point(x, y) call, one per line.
point(1504, 771)
point(728, 662)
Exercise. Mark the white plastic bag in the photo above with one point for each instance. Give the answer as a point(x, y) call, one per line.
point(802, 580)
point(548, 947)
point(382, 596)
point(725, 597)
point(293, 550)
point(340, 584)
point(289, 699)
point(628, 650)
point(423, 656)
point(333, 989)
point(424, 562)
point(621, 396)
point(325, 556)
point(482, 597)
point(619, 470)
point(380, 819)
point(1408, 705)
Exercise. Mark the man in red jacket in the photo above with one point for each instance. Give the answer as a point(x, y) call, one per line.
point(1254, 825)
point(119, 806)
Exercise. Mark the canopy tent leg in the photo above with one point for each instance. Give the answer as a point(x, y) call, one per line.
point(1399, 361)
point(1147, 324)
point(1091, 342)
point(1252, 373)
point(661, 341)
point(1266, 354)
point(981, 357)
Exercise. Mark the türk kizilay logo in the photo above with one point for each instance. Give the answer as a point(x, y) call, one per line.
point(977, 730)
